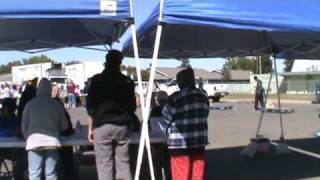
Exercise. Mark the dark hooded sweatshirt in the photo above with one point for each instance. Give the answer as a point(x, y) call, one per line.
point(111, 99)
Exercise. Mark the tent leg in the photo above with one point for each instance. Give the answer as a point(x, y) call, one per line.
point(149, 94)
point(142, 102)
point(282, 147)
point(147, 109)
point(251, 148)
point(141, 94)
point(265, 102)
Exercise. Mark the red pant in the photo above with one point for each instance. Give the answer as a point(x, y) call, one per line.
point(188, 167)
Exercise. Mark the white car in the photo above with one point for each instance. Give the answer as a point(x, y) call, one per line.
point(214, 91)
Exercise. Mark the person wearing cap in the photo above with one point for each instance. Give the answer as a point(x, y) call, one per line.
point(111, 106)
point(186, 112)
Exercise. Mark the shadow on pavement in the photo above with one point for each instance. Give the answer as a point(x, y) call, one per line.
point(226, 163)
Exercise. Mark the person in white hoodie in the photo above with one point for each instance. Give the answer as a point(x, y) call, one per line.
point(43, 119)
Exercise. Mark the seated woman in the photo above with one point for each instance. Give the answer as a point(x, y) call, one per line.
point(10, 126)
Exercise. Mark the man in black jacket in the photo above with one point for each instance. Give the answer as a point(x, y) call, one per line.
point(111, 105)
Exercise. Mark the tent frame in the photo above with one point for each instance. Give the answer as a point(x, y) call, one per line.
point(144, 139)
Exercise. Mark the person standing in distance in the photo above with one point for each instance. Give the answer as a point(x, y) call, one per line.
point(259, 94)
point(111, 105)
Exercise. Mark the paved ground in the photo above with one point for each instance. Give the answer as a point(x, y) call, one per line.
point(230, 131)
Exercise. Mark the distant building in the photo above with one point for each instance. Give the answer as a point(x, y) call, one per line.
point(300, 82)
point(303, 77)
point(239, 81)
point(23, 73)
point(165, 74)
point(265, 81)
point(240, 76)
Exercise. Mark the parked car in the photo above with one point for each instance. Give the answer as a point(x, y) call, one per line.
point(215, 91)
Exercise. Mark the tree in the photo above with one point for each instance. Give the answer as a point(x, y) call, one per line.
point(37, 59)
point(288, 63)
point(266, 64)
point(242, 63)
point(6, 69)
point(226, 75)
point(248, 63)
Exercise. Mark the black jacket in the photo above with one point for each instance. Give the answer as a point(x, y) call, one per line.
point(111, 99)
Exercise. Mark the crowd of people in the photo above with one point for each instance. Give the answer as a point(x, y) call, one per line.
point(70, 93)
point(10, 91)
point(41, 119)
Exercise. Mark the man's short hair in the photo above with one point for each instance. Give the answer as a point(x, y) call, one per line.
point(255, 77)
point(185, 78)
point(114, 58)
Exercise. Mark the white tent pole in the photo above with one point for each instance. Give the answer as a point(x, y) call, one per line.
point(278, 94)
point(145, 133)
point(265, 102)
point(260, 66)
point(149, 96)
point(154, 60)
point(142, 101)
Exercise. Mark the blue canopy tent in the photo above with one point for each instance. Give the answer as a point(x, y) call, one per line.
point(228, 28)
point(50, 24)
point(40, 25)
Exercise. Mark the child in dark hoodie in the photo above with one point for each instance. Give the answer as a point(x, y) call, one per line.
point(43, 119)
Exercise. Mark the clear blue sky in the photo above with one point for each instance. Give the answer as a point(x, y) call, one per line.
point(142, 8)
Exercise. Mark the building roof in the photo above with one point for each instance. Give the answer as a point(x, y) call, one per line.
point(240, 75)
point(163, 73)
point(300, 73)
point(5, 77)
point(305, 65)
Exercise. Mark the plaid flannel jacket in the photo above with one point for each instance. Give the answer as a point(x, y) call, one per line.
point(186, 113)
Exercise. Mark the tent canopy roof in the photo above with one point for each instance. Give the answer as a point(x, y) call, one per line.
point(224, 28)
point(38, 24)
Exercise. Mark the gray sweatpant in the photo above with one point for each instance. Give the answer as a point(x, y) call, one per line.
point(109, 138)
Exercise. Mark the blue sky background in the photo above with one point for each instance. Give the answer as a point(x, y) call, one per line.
point(142, 8)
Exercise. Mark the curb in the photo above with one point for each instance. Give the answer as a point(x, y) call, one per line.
point(247, 101)
point(273, 110)
point(221, 108)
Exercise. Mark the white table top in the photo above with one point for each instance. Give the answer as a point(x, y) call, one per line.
point(76, 140)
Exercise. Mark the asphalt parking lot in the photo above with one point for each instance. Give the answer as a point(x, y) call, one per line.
point(230, 131)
